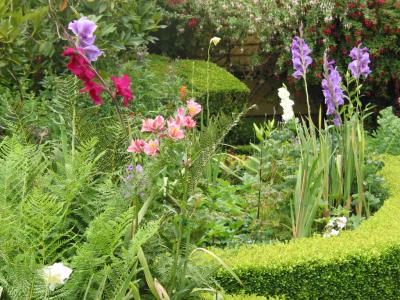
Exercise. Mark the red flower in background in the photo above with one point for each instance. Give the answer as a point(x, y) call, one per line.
point(351, 5)
point(123, 87)
point(327, 31)
point(193, 22)
point(368, 23)
point(176, 2)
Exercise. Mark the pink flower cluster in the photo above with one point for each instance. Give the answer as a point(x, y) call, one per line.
point(174, 128)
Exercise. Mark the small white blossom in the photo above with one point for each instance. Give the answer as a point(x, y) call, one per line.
point(55, 275)
point(215, 40)
point(331, 233)
point(341, 222)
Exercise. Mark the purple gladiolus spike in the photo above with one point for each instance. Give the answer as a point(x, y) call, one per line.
point(332, 91)
point(300, 57)
point(84, 29)
point(360, 64)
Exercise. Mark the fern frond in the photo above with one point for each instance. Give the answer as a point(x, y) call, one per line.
point(207, 145)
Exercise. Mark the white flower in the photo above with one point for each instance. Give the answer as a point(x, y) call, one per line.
point(341, 222)
point(56, 275)
point(283, 93)
point(286, 103)
point(215, 40)
point(334, 232)
point(331, 233)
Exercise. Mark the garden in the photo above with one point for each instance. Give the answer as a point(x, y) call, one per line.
point(199, 149)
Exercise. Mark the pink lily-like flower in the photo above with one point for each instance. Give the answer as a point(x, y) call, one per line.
point(193, 107)
point(136, 146)
point(174, 130)
point(159, 123)
point(180, 116)
point(151, 125)
point(189, 122)
point(151, 147)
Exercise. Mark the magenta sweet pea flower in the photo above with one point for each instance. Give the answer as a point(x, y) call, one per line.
point(94, 90)
point(123, 88)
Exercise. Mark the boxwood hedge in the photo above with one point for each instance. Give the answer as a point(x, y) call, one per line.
point(226, 92)
point(359, 264)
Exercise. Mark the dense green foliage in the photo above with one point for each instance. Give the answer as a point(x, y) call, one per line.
point(325, 268)
point(386, 139)
point(31, 33)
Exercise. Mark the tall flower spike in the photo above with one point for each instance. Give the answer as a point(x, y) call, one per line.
point(360, 64)
point(300, 57)
point(332, 91)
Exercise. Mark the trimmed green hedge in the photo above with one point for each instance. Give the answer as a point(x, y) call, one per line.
point(359, 264)
point(227, 93)
point(240, 297)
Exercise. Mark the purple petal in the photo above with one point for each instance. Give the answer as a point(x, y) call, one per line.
point(92, 52)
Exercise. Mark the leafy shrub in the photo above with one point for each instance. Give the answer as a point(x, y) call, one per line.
point(327, 268)
point(31, 30)
point(386, 139)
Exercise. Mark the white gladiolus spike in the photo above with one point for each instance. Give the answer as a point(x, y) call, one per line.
point(286, 103)
point(56, 275)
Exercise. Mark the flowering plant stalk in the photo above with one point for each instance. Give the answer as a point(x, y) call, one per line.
point(82, 52)
point(214, 41)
